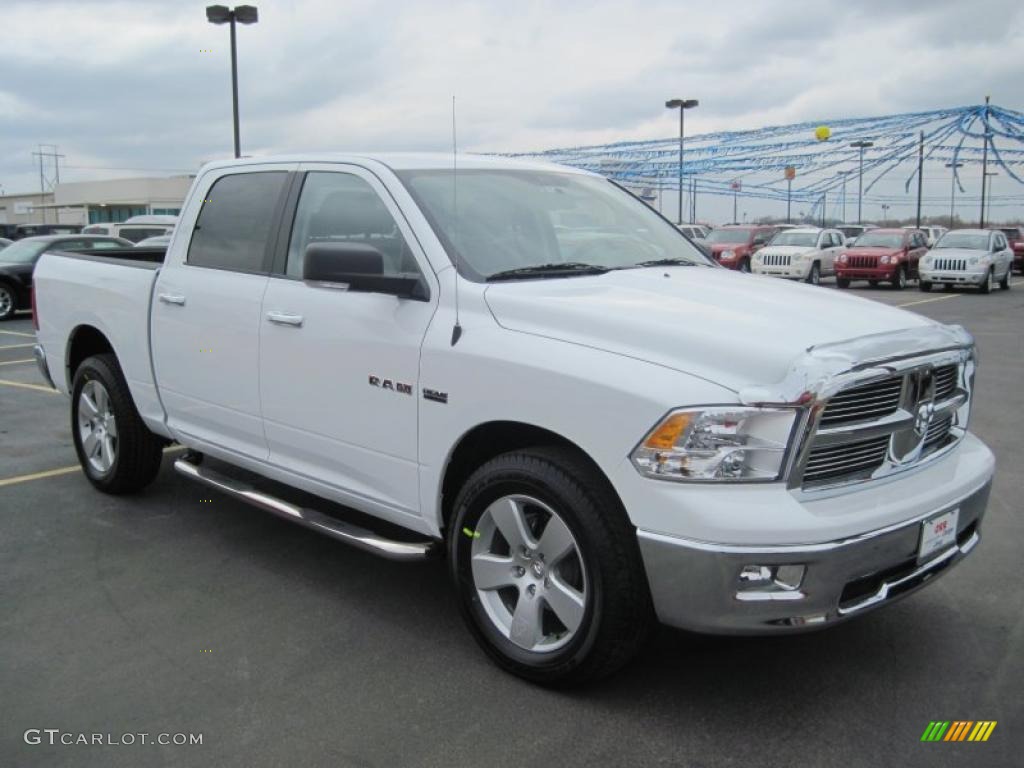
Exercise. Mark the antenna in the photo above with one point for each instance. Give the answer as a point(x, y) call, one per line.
point(457, 328)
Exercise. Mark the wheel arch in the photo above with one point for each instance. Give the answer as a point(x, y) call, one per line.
point(484, 441)
point(84, 341)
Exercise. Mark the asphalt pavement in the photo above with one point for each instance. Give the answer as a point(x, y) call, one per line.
point(180, 611)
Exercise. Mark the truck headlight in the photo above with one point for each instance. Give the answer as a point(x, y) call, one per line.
point(717, 443)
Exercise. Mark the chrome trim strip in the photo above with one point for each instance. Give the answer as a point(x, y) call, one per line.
point(825, 546)
point(310, 518)
point(44, 370)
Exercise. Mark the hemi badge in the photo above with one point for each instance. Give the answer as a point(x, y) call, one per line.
point(433, 394)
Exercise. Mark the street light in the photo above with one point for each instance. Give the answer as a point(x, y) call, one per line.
point(861, 145)
point(682, 105)
point(885, 212)
point(952, 189)
point(988, 211)
point(243, 14)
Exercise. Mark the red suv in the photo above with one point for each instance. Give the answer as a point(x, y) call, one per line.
point(1015, 237)
point(882, 254)
point(732, 245)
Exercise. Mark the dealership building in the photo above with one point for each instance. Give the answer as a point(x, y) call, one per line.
point(91, 202)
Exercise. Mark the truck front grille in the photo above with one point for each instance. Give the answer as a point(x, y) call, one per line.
point(949, 265)
point(775, 260)
point(871, 401)
point(862, 262)
point(869, 430)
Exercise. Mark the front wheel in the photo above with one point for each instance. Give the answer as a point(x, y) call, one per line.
point(926, 286)
point(842, 282)
point(547, 569)
point(814, 276)
point(899, 280)
point(117, 452)
point(745, 266)
point(989, 282)
point(1005, 282)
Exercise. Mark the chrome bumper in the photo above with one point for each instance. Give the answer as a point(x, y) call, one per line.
point(40, 355)
point(697, 585)
point(955, 278)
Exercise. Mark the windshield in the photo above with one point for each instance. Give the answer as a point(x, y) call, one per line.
point(23, 252)
point(880, 240)
point(511, 219)
point(795, 238)
point(728, 236)
point(968, 240)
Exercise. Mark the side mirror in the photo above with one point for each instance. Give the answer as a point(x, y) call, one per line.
point(361, 268)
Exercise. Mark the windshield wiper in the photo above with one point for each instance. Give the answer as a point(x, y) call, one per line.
point(666, 263)
point(561, 269)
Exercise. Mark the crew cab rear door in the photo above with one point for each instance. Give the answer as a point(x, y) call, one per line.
point(339, 368)
point(207, 301)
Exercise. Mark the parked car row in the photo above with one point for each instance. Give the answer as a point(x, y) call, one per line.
point(135, 228)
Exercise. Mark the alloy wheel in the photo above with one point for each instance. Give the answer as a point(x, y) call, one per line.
point(97, 427)
point(6, 302)
point(528, 573)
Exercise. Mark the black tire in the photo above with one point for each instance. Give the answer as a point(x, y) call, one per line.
point(814, 276)
point(745, 266)
point(873, 283)
point(1004, 284)
point(926, 286)
point(617, 615)
point(8, 301)
point(842, 282)
point(899, 281)
point(986, 287)
point(138, 451)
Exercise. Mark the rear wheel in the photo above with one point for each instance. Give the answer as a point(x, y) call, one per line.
point(8, 301)
point(546, 565)
point(117, 452)
point(842, 282)
point(873, 283)
point(989, 282)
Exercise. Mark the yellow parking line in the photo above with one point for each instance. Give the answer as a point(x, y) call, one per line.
point(63, 471)
point(39, 475)
point(19, 333)
point(7, 383)
point(927, 301)
point(15, 362)
point(17, 346)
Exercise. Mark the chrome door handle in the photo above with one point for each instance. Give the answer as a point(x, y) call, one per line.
point(172, 298)
point(282, 318)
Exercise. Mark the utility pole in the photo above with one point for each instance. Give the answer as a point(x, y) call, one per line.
point(920, 177)
point(861, 145)
point(952, 190)
point(984, 166)
point(682, 105)
point(47, 152)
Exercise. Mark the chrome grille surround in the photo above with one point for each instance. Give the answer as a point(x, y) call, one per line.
point(949, 265)
point(934, 367)
point(862, 262)
point(776, 259)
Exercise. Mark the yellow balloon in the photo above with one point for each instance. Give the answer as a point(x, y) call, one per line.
point(822, 132)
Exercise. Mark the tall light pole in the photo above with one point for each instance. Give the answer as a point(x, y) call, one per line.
point(243, 14)
point(988, 177)
point(952, 190)
point(682, 105)
point(984, 165)
point(885, 212)
point(861, 145)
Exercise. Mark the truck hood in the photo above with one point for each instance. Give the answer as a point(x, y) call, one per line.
point(733, 329)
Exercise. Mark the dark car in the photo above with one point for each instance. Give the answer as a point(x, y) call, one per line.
point(38, 230)
point(19, 259)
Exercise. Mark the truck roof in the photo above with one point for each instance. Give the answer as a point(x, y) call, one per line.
point(403, 161)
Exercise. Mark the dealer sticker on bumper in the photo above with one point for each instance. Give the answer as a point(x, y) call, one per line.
point(937, 534)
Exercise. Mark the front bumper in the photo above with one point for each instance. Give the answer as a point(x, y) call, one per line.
point(976, 277)
point(876, 273)
point(696, 585)
point(44, 369)
point(793, 271)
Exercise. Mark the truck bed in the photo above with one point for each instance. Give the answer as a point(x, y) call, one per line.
point(110, 291)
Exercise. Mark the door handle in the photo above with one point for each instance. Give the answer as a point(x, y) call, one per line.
point(283, 318)
point(172, 298)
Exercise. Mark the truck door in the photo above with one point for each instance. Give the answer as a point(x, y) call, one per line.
point(206, 308)
point(339, 369)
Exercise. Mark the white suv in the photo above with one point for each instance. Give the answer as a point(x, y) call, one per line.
point(803, 253)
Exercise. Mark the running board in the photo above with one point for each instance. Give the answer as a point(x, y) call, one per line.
point(360, 538)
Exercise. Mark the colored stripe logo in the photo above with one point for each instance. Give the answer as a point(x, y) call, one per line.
point(958, 730)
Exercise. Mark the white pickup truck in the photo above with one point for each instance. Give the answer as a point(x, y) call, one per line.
point(529, 370)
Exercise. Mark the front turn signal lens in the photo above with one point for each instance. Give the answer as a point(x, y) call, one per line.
point(668, 432)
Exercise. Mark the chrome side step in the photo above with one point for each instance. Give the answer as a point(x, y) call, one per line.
point(310, 518)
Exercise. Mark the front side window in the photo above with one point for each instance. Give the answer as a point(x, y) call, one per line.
point(234, 223)
point(505, 220)
point(343, 208)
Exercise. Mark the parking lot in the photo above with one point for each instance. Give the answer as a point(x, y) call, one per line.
point(182, 611)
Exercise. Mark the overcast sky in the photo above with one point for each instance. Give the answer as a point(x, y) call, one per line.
point(125, 86)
